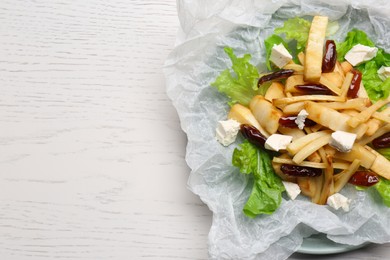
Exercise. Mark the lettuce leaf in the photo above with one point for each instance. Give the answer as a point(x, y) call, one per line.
point(242, 85)
point(353, 37)
point(267, 189)
point(296, 29)
point(269, 43)
point(375, 87)
point(385, 152)
point(383, 188)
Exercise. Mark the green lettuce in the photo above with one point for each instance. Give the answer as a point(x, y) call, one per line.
point(296, 29)
point(353, 37)
point(241, 85)
point(269, 43)
point(375, 87)
point(383, 188)
point(385, 152)
point(267, 189)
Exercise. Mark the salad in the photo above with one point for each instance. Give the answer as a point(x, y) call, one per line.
point(317, 120)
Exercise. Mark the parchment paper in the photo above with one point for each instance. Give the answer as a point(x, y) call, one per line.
point(198, 58)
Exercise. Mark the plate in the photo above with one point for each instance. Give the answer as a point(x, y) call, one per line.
point(319, 244)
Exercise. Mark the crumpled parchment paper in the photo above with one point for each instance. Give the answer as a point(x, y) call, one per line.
point(198, 58)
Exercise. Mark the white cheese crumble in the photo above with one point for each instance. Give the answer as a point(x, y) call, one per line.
point(342, 141)
point(292, 189)
point(384, 72)
point(300, 121)
point(337, 201)
point(227, 131)
point(280, 56)
point(360, 53)
point(277, 142)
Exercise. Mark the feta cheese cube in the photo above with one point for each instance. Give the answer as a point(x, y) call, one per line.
point(300, 121)
point(337, 201)
point(292, 189)
point(280, 56)
point(277, 142)
point(342, 141)
point(384, 72)
point(227, 131)
point(360, 53)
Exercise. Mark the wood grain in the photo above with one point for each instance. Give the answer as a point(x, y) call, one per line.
point(91, 151)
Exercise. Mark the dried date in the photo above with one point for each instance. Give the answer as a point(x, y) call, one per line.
point(330, 57)
point(253, 135)
point(289, 121)
point(364, 178)
point(300, 171)
point(355, 84)
point(382, 141)
point(314, 89)
point(280, 74)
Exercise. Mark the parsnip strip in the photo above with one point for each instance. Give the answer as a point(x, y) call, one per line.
point(350, 112)
point(381, 165)
point(356, 103)
point(300, 143)
point(314, 157)
point(381, 131)
point(311, 148)
point(281, 102)
point(373, 126)
point(293, 109)
point(327, 184)
point(294, 132)
point(380, 116)
point(304, 163)
point(301, 58)
point(343, 177)
point(360, 131)
point(366, 114)
point(346, 84)
point(304, 185)
point(362, 153)
point(346, 66)
point(316, 183)
point(314, 48)
point(340, 71)
point(295, 67)
point(330, 85)
point(341, 165)
point(243, 115)
point(276, 90)
point(316, 128)
point(327, 117)
point(293, 81)
point(362, 93)
point(265, 113)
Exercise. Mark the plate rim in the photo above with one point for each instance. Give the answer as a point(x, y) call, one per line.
point(319, 244)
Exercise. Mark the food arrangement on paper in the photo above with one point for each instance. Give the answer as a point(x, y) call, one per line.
point(314, 123)
point(285, 106)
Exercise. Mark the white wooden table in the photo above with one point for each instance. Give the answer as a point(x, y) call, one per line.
point(91, 151)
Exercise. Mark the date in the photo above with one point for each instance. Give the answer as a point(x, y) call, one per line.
point(289, 121)
point(314, 89)
point(280, 74)
point(364, 178)
point(355, 84)
point(253, 135)
point(382, 141)
point(300, 171)
point(330, 57)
